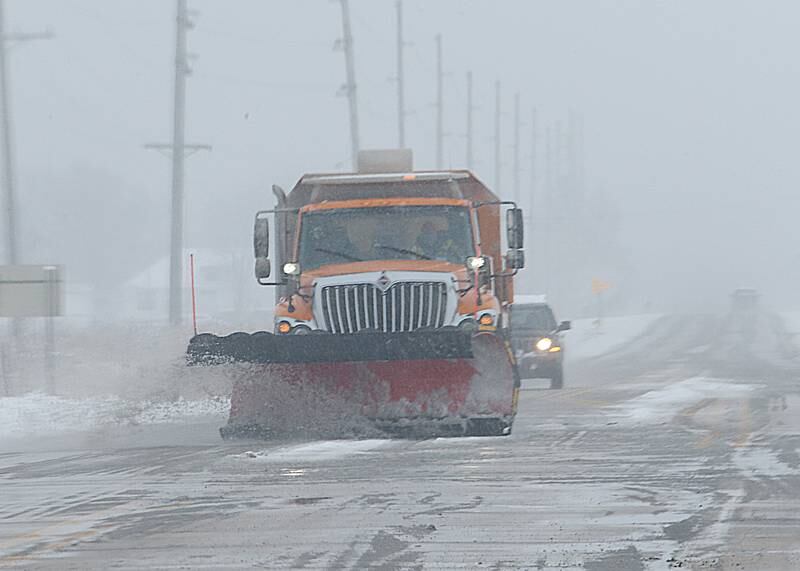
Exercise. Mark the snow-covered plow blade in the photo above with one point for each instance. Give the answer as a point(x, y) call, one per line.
point(414, 383)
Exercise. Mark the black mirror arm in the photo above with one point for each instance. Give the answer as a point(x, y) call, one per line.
point(263, 283)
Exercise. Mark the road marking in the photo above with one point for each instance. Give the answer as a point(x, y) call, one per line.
point(745, 424)
point(707, 440)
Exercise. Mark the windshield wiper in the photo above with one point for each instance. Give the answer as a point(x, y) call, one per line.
point(340, 254)
point(403, 251)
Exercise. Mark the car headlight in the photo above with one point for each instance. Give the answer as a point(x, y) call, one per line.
point(544, 344)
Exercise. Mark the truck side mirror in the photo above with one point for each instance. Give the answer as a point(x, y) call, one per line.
point(564, 326)
point(515, 229)
point(261, 237)
point(515, 259)
point(263, 269)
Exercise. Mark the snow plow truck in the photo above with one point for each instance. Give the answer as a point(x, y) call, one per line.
point(393, 306)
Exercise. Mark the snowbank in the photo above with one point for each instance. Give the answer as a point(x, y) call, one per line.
point(40, 414)
point(588, 338)
point(661, 405)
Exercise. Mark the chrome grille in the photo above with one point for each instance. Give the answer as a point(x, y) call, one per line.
point(404, 306)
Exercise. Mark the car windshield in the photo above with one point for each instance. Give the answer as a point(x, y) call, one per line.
point(385, 233)
point(538, 318)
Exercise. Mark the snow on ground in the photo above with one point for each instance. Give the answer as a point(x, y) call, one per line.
point(589, 338)
point(318, 451)
point(38, 414)
point(661, 405)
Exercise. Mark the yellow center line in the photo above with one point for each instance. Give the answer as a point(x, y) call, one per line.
point(745, 424)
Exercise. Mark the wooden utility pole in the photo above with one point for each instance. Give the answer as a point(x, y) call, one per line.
point(497, 155)
point(439, 105)
point(178, 150)
point(401, 106)
point(350, 82)
point(469, 120)
point(534, 164)
point(8, 166)
point(516, 148)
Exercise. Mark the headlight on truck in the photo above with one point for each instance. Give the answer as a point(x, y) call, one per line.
point(291, 269)
point(544, 344)
point(468, 324)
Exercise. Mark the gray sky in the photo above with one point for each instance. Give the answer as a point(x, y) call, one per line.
point(691, 111)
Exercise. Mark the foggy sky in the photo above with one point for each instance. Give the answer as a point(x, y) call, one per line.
point(691, 113)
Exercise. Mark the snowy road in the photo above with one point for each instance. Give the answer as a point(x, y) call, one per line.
point(681, 450)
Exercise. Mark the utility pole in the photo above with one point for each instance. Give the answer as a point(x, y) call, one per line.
point(548, 203)
point(534, 165)
point(533, 203)
point(469, 120)
point(401, 105)
point(516, 148)
point(439, 104)
point(497, 157)
point(178, 150)
point(350, 84)
point(7, 139)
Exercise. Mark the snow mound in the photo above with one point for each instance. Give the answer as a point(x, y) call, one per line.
point(38, 413)
point(661, 405)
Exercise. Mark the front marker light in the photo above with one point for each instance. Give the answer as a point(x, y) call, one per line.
point(544, 344)
point(486, 319)
point(291, 268)
point(475, 263)
point(284, 327)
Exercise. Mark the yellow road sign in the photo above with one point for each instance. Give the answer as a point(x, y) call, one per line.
point(599, 286)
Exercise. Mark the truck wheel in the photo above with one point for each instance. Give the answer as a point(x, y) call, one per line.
point(557, 380)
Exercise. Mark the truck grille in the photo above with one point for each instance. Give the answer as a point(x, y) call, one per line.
point(404, 306)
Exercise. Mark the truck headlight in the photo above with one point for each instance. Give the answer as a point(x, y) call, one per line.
point(475, 263)
point(544, 344)
point(468, 324)
point(291, 268)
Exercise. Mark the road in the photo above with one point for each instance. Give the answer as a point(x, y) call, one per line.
point(681, 450)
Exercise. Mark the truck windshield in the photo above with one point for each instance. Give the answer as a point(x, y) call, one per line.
point(532, 318)
point(385, 233)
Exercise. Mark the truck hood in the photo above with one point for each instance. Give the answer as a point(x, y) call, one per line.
point(386, 265)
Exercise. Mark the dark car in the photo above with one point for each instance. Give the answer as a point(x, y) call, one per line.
point(536, 337)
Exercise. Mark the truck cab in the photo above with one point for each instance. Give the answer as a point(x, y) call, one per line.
point(391, 252)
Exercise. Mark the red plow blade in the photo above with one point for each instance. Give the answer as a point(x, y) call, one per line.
point(473, 393)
